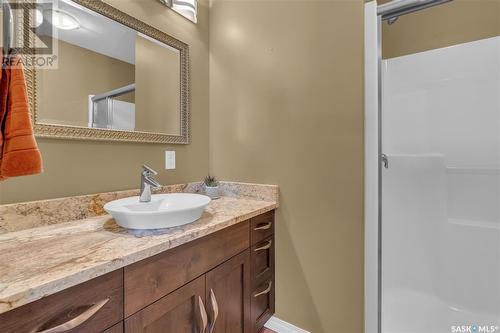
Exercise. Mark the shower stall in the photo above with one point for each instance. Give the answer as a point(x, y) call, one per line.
point(432, 182)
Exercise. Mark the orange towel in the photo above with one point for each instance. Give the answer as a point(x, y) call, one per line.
point(19, 152)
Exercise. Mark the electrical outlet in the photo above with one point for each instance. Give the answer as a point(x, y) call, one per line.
point(169, 159)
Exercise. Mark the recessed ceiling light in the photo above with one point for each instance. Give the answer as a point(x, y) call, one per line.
point(62, 20)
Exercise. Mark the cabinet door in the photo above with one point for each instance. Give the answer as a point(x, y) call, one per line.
point(228, 296)
point(182, 311)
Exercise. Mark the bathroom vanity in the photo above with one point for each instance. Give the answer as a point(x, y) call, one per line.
point(214, 275)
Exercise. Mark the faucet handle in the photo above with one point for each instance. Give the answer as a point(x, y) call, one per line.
point(147, 171)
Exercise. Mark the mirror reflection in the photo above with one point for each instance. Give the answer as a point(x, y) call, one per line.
point(109, 76)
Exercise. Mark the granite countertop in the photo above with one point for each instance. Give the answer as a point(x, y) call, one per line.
point(41, 261)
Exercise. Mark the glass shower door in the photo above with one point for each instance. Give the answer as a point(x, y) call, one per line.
point(441, 190)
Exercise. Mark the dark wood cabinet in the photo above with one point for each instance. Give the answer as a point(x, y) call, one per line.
point(182, 311)
point(220, 283)
point(216, 302)
point(228, 291)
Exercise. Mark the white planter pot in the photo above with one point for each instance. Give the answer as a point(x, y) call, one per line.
point(212, 191)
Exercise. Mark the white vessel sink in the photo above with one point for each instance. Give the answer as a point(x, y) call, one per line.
point(164, 210)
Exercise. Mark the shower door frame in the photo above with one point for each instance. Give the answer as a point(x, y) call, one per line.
point(372, 170)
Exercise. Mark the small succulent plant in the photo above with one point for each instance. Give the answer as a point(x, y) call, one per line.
point(211, 181)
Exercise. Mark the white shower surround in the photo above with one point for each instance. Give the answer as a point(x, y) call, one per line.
point(441, 193)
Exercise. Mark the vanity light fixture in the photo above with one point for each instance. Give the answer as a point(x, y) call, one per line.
point(38, 18)
point(61, 19)
point(187, 8)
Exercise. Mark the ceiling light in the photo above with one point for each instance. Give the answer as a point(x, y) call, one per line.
point(62, 20)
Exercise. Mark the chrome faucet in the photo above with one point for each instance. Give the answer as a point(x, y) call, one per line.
point(147, 181)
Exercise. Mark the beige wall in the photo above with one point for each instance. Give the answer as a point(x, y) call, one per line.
point(79, 167)
point(286, 108)
point(90, 73)
point(157, 88)
point(459, 21)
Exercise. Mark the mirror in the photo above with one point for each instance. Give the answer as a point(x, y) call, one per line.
point(116, 77)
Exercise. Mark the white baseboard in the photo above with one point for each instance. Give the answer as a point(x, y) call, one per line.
point(281, 326)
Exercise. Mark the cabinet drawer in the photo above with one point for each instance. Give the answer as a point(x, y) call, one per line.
point(151, 279)
point(261, 227)
point(90, 307)
point(262, 304)
point(262, 259)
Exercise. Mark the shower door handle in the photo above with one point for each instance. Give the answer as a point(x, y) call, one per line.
point(384, 160)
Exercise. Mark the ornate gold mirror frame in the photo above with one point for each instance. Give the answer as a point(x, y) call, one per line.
point(85, 133)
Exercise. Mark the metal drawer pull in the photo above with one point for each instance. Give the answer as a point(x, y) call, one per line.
point(78, 320)
point(213, 311)
point(201, 318)
point(265, 247)
point(265, 291)
point(264, 226)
